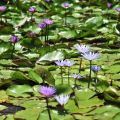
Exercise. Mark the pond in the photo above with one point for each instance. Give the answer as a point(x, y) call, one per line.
point(59, 60)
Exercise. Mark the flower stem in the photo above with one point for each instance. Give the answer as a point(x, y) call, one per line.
point(50, 118)
point(46, 35)
point(65, 17)
point(61, 75)
point(68, 76)
point(75, 82)
point(80, 65)
point(13, 51)
point(89, 81)
point(95, 80)
point(47, 32)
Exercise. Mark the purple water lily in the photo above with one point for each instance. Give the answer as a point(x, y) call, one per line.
point(118, 9)
point(82, 48)
point(3, 8)
point(14, 39)
point(95, 68)
point(66, 5)
point(62, 99)
point(48, 21)
point(32, 19)
point(77, 76)
point(41, 25)
point(60, 62)
point(91, 55)
point(109, 5)
point(68, 63)
point(48, 1)
point(47, 91)
point(32, 9)
point(32, 34)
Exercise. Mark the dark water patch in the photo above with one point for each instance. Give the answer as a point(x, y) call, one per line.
point(11, 109)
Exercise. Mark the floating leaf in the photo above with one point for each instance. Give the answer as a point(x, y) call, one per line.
point(19, 90)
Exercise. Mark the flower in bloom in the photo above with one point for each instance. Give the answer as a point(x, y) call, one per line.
point(91, 55)
point(47, 91)
point(68, 63)
point(14, 39)
point(82, 48)
point(41, 25)
point(76, 76)
point(60, 62)
point(48, 21)
point(2, 8)
point(48, 1)
point(118, 9)
point(109, 5)
point(95, 68)
point(62, 99)
point(32, 34)
point(32, 19)
point(32, 9)
point(66, 5)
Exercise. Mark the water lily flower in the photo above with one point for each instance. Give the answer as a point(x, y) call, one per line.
point(68, 63)
point(32, 34)
point(60, 62)
point(41, 25)
point(66, 5)
point(32, 9)
point(47, 91)
point(82, 48)
point(32, 19)
point(3, 8)
point(118, 9)
point(77, 76)
point(62, 99)
point(48, 21)
point(95, 68)
point(14, 39)
point(48, 1)
point(109, 5)
point(91, 56)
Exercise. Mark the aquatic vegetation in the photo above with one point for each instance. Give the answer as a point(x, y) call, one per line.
point(59, 60)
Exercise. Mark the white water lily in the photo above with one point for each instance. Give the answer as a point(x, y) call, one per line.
point(62, 99)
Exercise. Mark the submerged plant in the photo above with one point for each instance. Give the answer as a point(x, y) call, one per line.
point(90, 56)
point(13, 39)
point(47, 92)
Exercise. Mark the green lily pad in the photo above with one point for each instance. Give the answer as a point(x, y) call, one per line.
point(19, 90)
